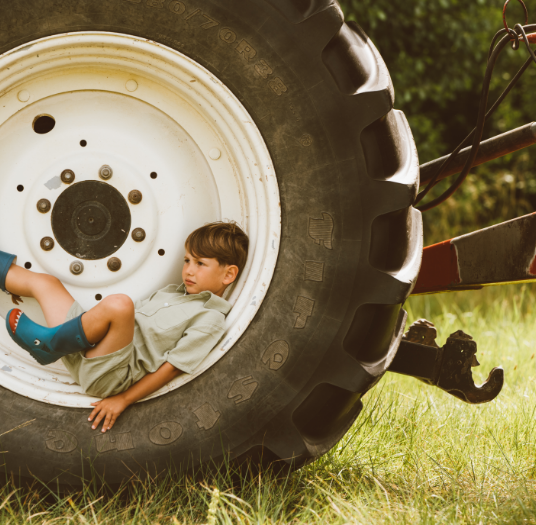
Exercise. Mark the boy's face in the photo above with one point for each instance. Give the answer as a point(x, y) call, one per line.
point(205, 274)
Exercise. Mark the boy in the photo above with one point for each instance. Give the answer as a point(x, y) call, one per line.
point(123, 352)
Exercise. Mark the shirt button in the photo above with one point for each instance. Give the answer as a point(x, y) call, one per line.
point(166, 304)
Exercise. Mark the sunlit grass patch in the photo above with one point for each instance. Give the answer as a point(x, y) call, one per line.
point(414, 455)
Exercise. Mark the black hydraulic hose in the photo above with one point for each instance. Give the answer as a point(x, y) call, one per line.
point(477, 131)
point(467, 139)
point(477, 136)
point(521, 30)
point(497, 35)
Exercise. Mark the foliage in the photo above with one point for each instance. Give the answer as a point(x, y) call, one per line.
point(436, 54)
point(487, 197)
point(415, 454)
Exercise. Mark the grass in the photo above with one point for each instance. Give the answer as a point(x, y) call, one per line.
point(415, 455)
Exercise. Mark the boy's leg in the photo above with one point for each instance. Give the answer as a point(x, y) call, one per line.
point(110, 324)
point(54, 299)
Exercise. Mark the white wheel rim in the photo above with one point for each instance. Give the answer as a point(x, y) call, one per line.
point(142, 108)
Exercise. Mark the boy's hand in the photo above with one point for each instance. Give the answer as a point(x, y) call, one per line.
point(108, 409)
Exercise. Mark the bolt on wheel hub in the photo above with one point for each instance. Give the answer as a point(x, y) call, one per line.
point(67, 176)
point(43, 205)
point(105, 172)
point(47, 243)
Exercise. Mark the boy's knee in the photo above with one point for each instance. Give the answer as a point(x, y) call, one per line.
point(50, 280)
point(120, 304)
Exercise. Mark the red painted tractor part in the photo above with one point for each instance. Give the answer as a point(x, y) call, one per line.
point(500, 254)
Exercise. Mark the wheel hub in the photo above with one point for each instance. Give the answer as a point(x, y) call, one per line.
point(91, 220)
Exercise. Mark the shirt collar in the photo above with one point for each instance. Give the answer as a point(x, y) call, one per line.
point(211, 301)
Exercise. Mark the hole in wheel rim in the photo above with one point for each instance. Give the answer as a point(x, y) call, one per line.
point(43, 124)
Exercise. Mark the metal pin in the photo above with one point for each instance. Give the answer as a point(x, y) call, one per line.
point(77, 267)
point(138, 234)
point(114, 264)
point(47, 243)
point(105, 172)
point(135, 197)
point(67, 176)
point(43, 205)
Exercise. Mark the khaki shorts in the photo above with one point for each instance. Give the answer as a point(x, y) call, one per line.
point(106, 375)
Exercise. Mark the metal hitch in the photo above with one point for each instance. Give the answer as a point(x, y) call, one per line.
point(449, 367)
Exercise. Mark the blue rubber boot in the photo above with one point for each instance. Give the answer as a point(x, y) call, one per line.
point(46, 345)
point(5, 263)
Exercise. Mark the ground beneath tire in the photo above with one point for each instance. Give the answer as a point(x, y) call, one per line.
point(415, 455)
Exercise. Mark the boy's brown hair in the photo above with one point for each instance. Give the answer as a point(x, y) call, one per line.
point(223, 241)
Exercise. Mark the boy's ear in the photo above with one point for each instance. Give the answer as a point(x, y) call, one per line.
point(231, 273)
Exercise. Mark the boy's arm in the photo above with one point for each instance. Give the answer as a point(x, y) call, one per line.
point(111, 408)
point(198, 340)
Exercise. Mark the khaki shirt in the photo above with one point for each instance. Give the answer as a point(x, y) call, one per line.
point(177, 327)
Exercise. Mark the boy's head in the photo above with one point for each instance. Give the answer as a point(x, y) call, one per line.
point(215, 255)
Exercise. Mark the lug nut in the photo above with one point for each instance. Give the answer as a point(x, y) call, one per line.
point(114, 264)
point(105, 172)
point(47, 243)
point(43, 205)
point(77, 267)
point(138, 234)
point(135, 197)
point(67, 176)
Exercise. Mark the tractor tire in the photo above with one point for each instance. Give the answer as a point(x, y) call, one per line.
point(350, 247)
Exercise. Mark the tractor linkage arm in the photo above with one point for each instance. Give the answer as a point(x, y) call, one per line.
point(449, 367)
point(490, 149)
point(501, 254)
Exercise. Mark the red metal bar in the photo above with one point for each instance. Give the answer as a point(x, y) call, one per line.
point(505, 253)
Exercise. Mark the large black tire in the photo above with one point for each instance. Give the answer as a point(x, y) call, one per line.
point(332, 319)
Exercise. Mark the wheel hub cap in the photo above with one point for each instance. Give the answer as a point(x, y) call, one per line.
point(91, 220)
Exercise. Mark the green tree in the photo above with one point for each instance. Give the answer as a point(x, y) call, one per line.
point(436, 52)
